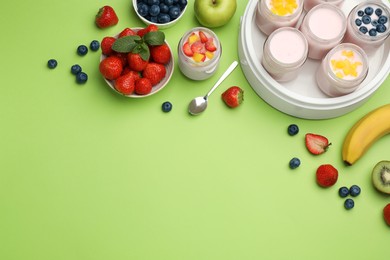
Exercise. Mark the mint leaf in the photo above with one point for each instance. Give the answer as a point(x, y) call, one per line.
point(144, 51)
point(154, 38)
point(126, 44)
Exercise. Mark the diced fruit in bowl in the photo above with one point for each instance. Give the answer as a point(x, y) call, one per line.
point(163, 13)
point(138, 62)
point(200, 46)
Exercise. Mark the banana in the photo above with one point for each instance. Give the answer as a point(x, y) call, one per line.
point(365, 132)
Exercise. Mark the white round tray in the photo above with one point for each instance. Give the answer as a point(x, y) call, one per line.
point(301, 97)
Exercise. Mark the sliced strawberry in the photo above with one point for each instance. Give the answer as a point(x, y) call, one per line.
point(316, 144)
point(203, 37)
point(198, 47)
point(187, 49)
point(210, 46)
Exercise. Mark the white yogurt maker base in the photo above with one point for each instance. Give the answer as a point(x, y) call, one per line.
point(302, 98)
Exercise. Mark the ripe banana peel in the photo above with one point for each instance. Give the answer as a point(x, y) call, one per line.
point(365, 132)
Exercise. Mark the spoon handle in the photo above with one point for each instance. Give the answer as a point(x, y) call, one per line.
point(223, 77)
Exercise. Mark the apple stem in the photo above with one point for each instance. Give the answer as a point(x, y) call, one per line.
point(214, 2)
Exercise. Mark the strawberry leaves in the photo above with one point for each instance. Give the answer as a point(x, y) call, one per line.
point(137, 44)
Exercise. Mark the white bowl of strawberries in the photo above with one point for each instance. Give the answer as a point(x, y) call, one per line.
point(138, 62)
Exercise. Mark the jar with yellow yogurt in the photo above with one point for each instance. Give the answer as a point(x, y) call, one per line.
point(342, 70)
point(274, 14)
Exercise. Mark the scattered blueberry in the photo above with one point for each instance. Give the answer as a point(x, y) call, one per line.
point(293, 129)
point(358, 22)
point(382, 19)
point(82, 50)
point(369, 10)
point(366, 19)
point(349, 203)
point(378, 12)
point(52, 63)
point(343, 192)
point(372, 32)
point(94, 45)
point(166, 106)
point(381, 28)
point(354, 190)
point(360, 13)
point(363, 29)
point(81, 78)
point(154, 10)
point(75, 69)
point(294, 163)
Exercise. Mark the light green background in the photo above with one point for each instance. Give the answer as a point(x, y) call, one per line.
point(88, 174)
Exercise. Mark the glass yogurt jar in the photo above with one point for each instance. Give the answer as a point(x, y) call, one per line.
point(342, 70)
point(274, 14)
point(199, 52)
point(324, 27)
point(284, 53)
point(368, 25)
point(309, 4)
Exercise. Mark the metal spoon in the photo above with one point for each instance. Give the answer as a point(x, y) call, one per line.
point(199, 104)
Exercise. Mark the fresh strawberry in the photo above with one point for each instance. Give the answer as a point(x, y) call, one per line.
point(122, 56)
point(155, 72)
point(143, 86)
point(203, 37)
point(210, 46)
point(326, 175)
point(187, 49)
point(198, 47)
point(160, 53)
point(386, 214)
point(136, 62)
point(149, 28)
point(233, 96)
point(106, 45)
point(106, 17)
point(125, 84)
point(111, 67)
point(126, 32)
point(316, 144)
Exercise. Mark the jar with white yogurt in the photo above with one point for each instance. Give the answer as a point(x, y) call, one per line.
point(324, 27)
point(199, 52)
point(342, 70)
point(368, 25)
point(309, 4)
point(274, 14)
point(284, 53)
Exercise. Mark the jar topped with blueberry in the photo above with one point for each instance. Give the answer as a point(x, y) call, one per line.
point(368, 25)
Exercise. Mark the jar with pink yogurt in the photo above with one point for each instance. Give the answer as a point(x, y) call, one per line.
point(309, 4)
point(284, 53)
point(274, 14)
point(324, 27)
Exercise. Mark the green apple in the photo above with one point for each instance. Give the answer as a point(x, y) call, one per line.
point(214, 13)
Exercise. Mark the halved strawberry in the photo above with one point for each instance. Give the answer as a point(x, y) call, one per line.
point(316, 144)
point(203, 37)
point(326, 175)
point(198, 47)
point(210, 46)
point(386, 214)
point(187, 49)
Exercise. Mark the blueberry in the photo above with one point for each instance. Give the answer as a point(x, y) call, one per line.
point(358, 22)
point(166, 106)
point(369, 10)
point(374, 23)
point(81, 78)
point(174, 12)
point(164, 8)
point(143, 9)
point(363, 29)
point(293, 129)
point(381, 28)
point(163, 18)
point(52, 63)
point(378, 12)
point(354, 190)
point(82, 50)
point(294, 163)
point(153, 19)
point(349, 203)
point(182, 4)
point(372, 32)
point(366, 19)
point(175, 1)
point(343, 192)
point(75, 69)
point(168, 2)
point(382, 19)
point(360, 13)
point(153, 2)
point(154, 10)
point(95, 45)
